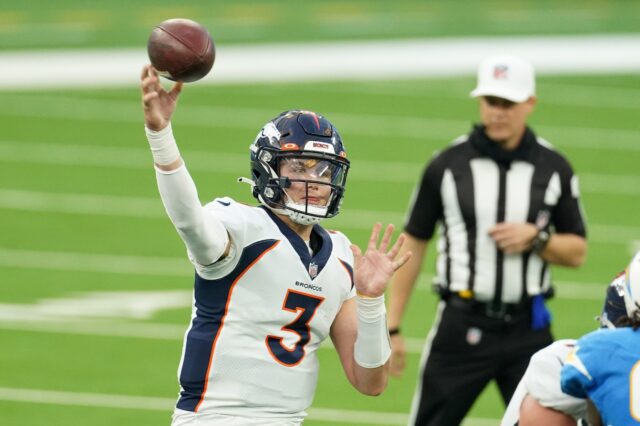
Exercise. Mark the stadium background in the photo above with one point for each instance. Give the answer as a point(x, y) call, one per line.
point(94, 293)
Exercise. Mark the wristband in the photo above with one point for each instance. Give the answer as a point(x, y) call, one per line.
point(163, 145)
point(394, 330)
point(541, 240)
point(372, 348)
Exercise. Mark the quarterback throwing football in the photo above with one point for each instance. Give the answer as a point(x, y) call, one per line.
point(271, 284)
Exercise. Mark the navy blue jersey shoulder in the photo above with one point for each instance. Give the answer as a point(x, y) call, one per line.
point(211, 301)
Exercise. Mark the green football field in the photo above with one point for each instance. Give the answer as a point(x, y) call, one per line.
point(94, 281)
point(82, 221)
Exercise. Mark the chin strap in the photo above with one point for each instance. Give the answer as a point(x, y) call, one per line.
point(296, 216)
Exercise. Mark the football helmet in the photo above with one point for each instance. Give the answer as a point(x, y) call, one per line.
point(299, 167)
point(623, 296)
point(632, 289)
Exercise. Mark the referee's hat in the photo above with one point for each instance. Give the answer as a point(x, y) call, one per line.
point(506, 77)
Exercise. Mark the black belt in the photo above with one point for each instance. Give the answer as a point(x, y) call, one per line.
point(503, 311)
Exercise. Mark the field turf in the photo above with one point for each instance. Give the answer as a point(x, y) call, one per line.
point(94, 282)
point(78, 200)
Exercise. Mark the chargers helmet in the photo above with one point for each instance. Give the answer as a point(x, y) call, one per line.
point(308, 144)
point(623, 296)
point(632, 289)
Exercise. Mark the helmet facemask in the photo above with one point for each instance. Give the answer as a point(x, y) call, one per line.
point(305, 186)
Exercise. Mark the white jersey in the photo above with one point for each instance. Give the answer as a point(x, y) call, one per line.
point(259, 316)
point(542, 382)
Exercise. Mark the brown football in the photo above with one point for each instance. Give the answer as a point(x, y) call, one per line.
point(181, 50)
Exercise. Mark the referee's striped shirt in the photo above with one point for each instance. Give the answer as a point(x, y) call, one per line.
point(473, 185)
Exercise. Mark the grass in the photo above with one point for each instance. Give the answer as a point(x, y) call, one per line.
point(89, 143)
point(80, 211)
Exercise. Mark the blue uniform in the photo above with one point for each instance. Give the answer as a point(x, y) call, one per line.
point(603, 369)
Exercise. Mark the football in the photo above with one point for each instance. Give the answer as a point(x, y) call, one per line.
point(181, 50)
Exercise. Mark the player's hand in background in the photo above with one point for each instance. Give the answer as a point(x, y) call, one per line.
point(373, 269)
point(158, 104)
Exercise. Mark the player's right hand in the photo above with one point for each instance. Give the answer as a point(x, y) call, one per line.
point(398, 355)
point(157, 103)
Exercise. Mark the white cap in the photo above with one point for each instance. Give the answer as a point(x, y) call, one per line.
point(506, 77)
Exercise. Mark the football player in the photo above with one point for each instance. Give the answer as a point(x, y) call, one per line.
point(538, 398)
point(603, 365)
point(271, 284)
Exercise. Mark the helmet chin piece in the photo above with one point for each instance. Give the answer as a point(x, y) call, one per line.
point(296, 216)
point(303, 219)
point(313, 215)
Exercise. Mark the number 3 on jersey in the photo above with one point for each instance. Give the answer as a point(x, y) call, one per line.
point(306, 306)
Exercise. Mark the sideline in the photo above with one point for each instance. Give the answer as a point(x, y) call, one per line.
point(388, 59)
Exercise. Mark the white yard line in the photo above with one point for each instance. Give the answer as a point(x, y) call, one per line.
point(556, 93)
point(131, 402)
point(405, 128)
point(103, 263)
point(364, 170)
point(84, 399)
point(111, 205)
point(180, 267)
point(341, 61)
point(353, 60)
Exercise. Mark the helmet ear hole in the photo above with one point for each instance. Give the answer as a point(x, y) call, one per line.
point(270, 193)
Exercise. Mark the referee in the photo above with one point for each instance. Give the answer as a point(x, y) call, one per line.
point(507, 206)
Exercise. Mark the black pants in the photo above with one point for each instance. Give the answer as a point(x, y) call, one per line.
point(467, 352)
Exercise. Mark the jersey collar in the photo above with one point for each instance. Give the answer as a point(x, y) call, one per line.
point(313, 264)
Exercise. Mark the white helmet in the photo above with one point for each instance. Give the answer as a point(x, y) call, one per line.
point(632, 288)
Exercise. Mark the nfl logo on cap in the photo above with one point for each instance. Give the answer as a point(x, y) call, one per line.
point(506, 77)
point(500, 72)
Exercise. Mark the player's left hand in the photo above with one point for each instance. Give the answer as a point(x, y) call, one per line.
point(374, 268)
point(513, 238)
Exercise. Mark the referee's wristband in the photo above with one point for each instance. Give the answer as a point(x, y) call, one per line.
point(393, 331)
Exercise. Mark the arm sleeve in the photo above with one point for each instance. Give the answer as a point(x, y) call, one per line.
point(201, 230)
point(426, 204)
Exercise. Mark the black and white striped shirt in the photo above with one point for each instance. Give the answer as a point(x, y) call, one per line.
point(473, 185)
